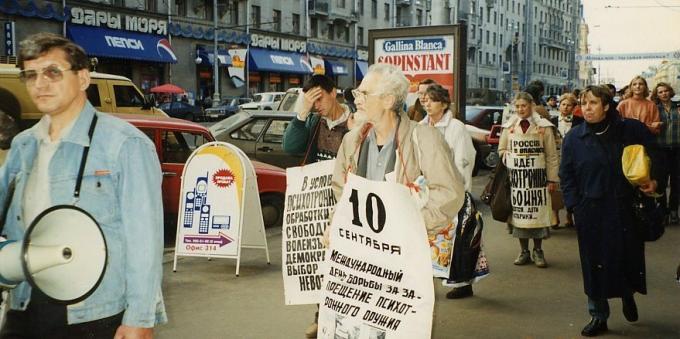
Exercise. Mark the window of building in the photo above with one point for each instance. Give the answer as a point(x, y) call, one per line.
point(487, 58)
point(331, 31)
point(481, 14)
point(296, 24)
point(276, 18)
point(346, 33)
point(360, 35)
point(387, 12)
point(419, 16)
point(487, 37)
point(472, 31)
point(255, 16)
point(494, 38)
point(360, 4)
point(341, 3)
point(135, 4)
point(314, 27)
point(374, 9)
point(494, 17)
point(480, 57)
point(196, 9)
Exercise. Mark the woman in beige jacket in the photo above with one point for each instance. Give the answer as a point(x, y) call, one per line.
point(405, 149)
point(527, 147)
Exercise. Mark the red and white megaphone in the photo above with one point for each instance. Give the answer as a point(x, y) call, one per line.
point(63, 255)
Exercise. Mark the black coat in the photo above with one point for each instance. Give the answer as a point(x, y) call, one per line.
point(594, 188)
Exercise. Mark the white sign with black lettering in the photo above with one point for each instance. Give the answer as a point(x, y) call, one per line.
point(378, 278)
point(309, 204)
point(528, 180)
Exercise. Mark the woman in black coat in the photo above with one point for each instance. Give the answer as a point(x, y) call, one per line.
point(595, 189)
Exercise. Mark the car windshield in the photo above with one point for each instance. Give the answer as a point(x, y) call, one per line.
point(471, 112)
point(227, 123)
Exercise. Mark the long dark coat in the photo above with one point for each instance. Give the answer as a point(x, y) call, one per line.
point(611, 249)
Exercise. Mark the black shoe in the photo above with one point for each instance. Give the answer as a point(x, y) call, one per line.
point(629, 308)
point(594, 328)
point(460, 292)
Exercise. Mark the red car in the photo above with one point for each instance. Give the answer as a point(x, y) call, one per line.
point(176, 139)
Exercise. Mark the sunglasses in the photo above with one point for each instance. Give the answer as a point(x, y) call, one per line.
point(50, 73)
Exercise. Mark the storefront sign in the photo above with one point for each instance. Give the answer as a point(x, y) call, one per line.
point(278, 43)
point(98, 18)
point(309, 204)
point(378, 275)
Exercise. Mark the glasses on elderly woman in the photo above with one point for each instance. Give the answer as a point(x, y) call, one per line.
point(50, 73)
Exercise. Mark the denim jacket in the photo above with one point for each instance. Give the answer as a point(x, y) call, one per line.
point(121, 189)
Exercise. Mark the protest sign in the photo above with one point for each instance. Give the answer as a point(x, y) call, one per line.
point(378, 275)
point(309, 204)
point(531, 207)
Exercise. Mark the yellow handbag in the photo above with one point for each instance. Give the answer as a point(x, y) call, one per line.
point(636, 164)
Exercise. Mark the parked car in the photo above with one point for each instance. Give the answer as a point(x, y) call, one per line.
point(259, 134)
point(264, 101)
point(182, 110)
point(107, 93)
point(479, 121)
point(175, 140)
point(227, 108)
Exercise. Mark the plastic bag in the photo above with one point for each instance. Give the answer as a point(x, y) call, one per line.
point(636, 165)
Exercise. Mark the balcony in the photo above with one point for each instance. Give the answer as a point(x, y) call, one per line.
point(318, 8)
point(552, 43)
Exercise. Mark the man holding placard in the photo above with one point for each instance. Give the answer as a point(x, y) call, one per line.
point(318, 136)
point(387, 148)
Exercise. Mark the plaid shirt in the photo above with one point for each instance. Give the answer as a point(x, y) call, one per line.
point(670, 130)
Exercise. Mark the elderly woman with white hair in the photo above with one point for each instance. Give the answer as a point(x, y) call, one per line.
point(388, 146)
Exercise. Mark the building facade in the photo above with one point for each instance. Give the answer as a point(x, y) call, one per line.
point(510, 42)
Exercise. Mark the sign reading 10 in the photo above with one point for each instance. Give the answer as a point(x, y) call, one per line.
point(371, 200)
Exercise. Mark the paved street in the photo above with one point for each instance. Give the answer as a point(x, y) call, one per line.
point(205, 300)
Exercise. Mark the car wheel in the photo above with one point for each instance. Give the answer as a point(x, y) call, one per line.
point(272, 210)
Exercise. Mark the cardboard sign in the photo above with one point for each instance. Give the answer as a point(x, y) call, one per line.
point(309, 204)
point(378, 277)
point(531, 206)
point(219, 205)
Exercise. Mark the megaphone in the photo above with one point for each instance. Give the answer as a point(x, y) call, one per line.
point(63, 255)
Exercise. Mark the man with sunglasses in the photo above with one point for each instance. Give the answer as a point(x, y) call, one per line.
point(120, 186)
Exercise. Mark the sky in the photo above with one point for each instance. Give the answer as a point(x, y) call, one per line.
point(631, 26)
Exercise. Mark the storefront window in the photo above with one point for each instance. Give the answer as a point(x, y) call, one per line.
point(197, 9)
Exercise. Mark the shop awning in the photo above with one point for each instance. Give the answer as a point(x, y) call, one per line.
point(362, 69)
point(277, 61)
point(110, 43)
point(335, 68)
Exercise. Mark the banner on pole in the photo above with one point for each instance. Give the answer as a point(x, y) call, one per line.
point(309, 204)
point(378, 274)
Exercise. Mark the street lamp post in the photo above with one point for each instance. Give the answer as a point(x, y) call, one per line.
point(216, 60)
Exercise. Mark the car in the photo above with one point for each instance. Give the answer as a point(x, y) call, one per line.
point(182, 110)
point(259, 134)
point(479, 121)
point(227, 108)
point(264, 101)
point(175, 140)
point(107, 93)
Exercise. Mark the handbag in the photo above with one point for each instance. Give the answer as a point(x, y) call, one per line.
point(497, 193)
point(648, 216)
